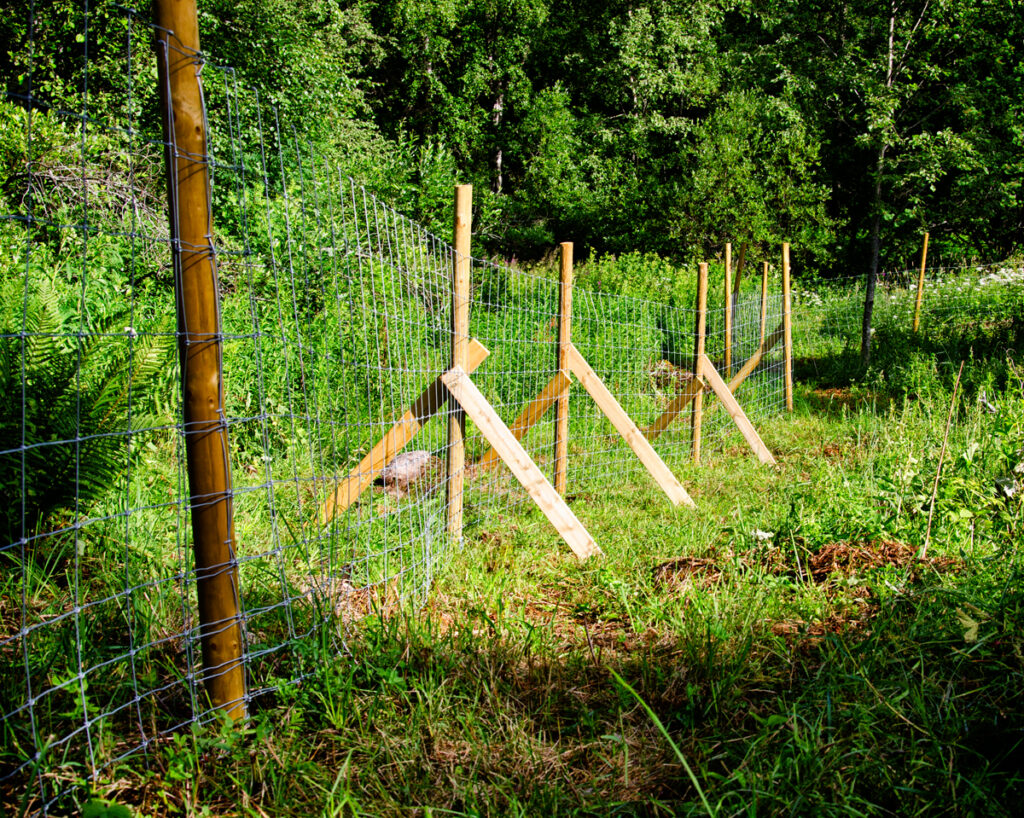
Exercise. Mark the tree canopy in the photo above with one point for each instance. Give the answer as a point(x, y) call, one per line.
point(847, 127)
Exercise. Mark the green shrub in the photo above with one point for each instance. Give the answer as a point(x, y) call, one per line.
point(71, 394)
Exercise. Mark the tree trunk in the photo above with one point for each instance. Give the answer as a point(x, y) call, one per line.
point(876, 204)
point(498, 109)
point(876, 251)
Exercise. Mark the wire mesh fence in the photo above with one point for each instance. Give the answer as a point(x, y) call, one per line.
point(967, 310)
point(335, 315)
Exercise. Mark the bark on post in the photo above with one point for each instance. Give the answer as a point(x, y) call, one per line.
point(564, 342)
point(461, 268)
point(728, 311)
point(920, 284)
point(698, 351)
point(787, 325)
point(739, 271)
point(764, 301)
point(199, 347)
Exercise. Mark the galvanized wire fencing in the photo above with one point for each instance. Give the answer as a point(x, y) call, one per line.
point(333, 323)
point(950, 314)
point(642, 350)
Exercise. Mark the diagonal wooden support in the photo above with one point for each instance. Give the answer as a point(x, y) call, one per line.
point(624, 426)
point(525, 470)
point(682, 400)
point(370, 467)
point(530, 415)
point(754, 360)
point(679, 403)
point(718, 386)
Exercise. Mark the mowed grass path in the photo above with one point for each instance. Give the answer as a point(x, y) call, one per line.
point(790, 647)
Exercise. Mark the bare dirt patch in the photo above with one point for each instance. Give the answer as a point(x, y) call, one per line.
point(834, 451)
point(666, 376)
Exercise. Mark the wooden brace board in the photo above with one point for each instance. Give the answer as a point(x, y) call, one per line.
point(530, 415)
point(525, 470)
point(754, 360)
point(679, 403)
point(682, 400)
point(370, 467)
point(624, 426)
point(719, 387)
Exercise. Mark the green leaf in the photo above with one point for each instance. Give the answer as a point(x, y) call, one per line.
point(969, 625)
point(105, 809)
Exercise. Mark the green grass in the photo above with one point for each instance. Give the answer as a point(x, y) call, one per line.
point(885, 688)
point(709, 661)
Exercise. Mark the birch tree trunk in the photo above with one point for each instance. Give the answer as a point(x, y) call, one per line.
point(876, 203)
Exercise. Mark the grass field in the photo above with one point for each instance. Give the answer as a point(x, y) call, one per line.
point(782, 650)
point(786, 648)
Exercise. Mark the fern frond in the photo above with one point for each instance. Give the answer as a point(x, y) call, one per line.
point(69, 393)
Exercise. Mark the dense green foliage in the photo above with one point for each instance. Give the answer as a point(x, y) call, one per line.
point(70, 400)
point(662, 126)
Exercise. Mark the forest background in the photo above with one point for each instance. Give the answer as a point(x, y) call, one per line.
point(847, 128)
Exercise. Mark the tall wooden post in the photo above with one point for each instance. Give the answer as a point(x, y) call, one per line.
point(764, 301)
point(461, 268)
point(564, 342)
point(199, 348)
point(787, 325)
point(920, 284)
point(739, 271)
point(728, 311)
point(698, 351)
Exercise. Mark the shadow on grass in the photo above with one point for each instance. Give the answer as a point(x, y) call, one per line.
point(880, 707)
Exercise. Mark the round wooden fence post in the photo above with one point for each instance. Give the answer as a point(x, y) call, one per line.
point(787, 325)
point(764, 302)
point(462, 266)
point(564, 340)
point(698, 351)
point(728, 311)
point(199, 346)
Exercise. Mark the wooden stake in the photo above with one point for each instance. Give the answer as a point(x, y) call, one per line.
point(199, 347)
point(764, 299)
point(787, 325)
point(752, 362)
point(683, 399)
point(698, 400)
point(708, 371)
point(739, 270)
point(533, 412)
point(694, 387)
point(624, 426)
point(517, 459)
point(462, 267)
point(564, 340)
point(728, 310)
point(920, 284)
point(398, 437)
